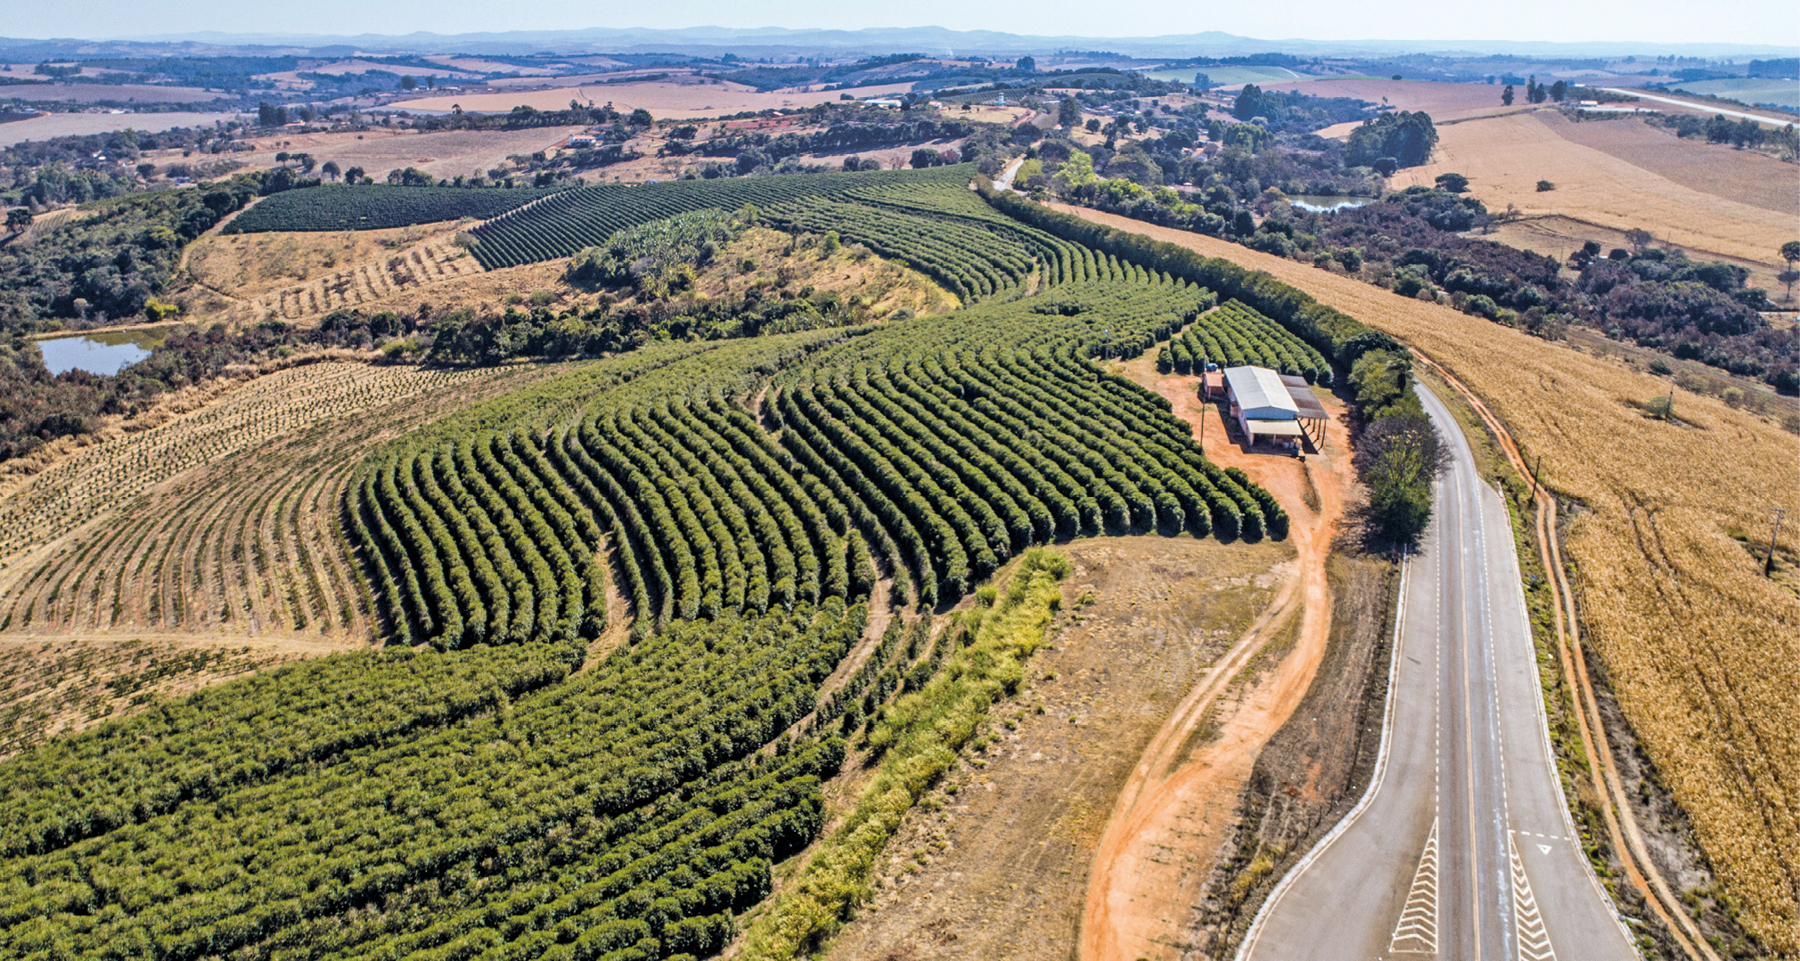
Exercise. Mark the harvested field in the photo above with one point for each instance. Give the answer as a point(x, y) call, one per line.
point(1702, 651)
point(999, 868)
point(1444, 101)
point(81, 124)
point(1505, 157)
point(115, 92)
point(664, 100)
point(1744, 176)
point(224, 520)
point(450, 153)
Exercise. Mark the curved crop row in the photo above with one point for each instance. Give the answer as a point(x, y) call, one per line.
point(564, 223)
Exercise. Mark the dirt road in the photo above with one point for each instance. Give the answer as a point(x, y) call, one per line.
point(1177, 805)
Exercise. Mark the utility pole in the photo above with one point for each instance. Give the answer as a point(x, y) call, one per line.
point(1534, 473)
point(1769, 562)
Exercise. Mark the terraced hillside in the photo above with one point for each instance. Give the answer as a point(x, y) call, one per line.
point(751, 505)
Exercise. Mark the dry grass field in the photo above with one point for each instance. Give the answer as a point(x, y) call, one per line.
point(296, 276)
point(664, 99)
point(1745, 176)
point(247, 266)
point(1558, 237)
point(1702, 651)
point(81, 124)
point(1444, 101)
point(1505, 157)
point(451, 153)
point(224, 520)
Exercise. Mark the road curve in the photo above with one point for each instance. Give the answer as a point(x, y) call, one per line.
point(1463, 847)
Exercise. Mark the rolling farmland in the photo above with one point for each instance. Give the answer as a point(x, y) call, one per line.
point(565, 222)
point(747, 506)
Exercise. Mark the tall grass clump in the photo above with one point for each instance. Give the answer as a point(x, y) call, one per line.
point(915, 743)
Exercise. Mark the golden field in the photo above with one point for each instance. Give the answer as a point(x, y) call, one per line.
point(1701, 649)
point(1505, 157)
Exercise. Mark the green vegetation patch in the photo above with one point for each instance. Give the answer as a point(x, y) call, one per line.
point(377, 207)
point(587, 216)
point(916, 741)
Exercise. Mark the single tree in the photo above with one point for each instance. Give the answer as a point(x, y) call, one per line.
point(1638, 237)
point(17, 219)
point(640, 118)
point(1790, 252)
point(1788, 277)
point(1027, 64)
point(1068, 113)
point(1093, 125)
point(408, 83)
point(354, 175)
point(925, 157)
point(1506, 96)
point(1453, 182)
point(431, 83)
point(1559, 90)
point(330, 169)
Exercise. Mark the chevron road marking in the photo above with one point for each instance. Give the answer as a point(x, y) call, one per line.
point(1534, 941)
point(1416, 932)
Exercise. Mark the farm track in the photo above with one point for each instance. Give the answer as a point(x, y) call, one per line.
point(232, 522)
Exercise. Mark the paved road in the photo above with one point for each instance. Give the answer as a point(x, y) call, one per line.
point(1699, 105)
point(1463, 849)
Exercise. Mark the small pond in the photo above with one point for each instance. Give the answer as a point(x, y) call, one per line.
point(1323, 204)
point(99, 352)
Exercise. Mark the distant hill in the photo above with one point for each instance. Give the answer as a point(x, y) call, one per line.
point(779, 41)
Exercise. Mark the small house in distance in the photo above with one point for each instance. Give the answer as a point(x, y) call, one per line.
point(1268, 410)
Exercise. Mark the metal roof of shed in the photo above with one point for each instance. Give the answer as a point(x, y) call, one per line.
point(1260, 389)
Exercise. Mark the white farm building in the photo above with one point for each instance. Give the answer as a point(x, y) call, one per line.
point(1268, 408)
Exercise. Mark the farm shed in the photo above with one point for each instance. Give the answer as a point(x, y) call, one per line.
point(1265, 409)
point(1308, 410)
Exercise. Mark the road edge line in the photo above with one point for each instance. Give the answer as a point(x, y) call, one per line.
point(1375, 783)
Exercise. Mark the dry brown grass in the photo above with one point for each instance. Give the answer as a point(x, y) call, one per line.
point(664, 99)
point(247, 266)
point(450, 153)
point(224, 520)
point(1701, 649)
point(1505, 157)
point(1745, 176)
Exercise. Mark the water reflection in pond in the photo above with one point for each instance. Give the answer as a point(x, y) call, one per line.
point(98, 352)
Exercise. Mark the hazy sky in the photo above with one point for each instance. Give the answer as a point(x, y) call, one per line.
point(1651, 21)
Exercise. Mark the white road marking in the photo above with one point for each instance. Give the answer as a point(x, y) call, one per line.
point(1545, 848)
point(1528, 924)
point(1417, 930)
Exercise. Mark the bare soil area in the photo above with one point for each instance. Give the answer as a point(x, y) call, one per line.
point(1505, 157)
point(1444, 101)
point(994, 864)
